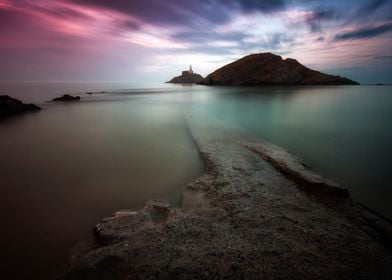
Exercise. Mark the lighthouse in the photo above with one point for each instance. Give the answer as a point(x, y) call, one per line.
point(187, 77)
point(188, 72)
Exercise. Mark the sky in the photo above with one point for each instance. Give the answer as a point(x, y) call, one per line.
point(154, 40)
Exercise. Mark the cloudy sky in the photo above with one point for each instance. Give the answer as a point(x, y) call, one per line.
point(152, 40)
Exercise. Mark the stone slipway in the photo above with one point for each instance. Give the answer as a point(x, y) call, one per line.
point(257, 213)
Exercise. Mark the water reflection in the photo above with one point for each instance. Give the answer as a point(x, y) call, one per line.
point(68, 166)
point(343, 132)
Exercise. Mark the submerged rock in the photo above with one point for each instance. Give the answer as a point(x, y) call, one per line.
point(66, 98)
point(11, 106)
point(295, 169)
point(270, 69)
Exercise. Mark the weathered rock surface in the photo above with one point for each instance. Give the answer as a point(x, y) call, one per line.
point(270, 69)
point(243, 219)
point(295, 169)
point(66, 98)
point(11, 106)
point(186, 78)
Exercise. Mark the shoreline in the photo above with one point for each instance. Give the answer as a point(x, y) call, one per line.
point(244, 218)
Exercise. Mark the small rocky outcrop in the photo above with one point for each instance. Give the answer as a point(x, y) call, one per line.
point(187, 78)
point(11, 106)
point(66, 98)
point(270, 69)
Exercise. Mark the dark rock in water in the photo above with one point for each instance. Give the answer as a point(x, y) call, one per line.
point(187, 77)
point(270, 69)
point(11, 106)
point(90, 93)
point(66, 98)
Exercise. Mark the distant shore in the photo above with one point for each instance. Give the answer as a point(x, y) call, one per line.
point(243, 218)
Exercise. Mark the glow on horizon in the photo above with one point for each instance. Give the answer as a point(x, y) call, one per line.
point(99, 40)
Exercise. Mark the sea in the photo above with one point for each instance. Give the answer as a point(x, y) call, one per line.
point(67, 166)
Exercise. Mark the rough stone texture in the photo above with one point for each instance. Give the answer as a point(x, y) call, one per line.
point(66, 98)
point(243, 219)
point(11, 106)
point(186, 78)
point(270, 69)
point(296, 169)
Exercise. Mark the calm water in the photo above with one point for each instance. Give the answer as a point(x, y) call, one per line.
point(344, 133)
point(69, 165)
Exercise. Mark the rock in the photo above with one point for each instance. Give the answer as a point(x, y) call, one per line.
point(294, 168)
point(11, 106)
point(187, 78)
point(66, 98)
point(270, 69)
point(89, 93)
point(125, 223)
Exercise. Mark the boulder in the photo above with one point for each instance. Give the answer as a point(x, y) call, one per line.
point(11, 106)
point(66, 98)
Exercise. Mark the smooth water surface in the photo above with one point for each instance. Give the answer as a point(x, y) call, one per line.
point(342, 132)
point(64, 168)
point(68, 166)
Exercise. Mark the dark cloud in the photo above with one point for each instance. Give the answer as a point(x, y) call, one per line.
point(369, 11)
point(383, 57)
point(369, 7)
point(186, 12)
point(276, 40)
point(168, 12)
point(320, 15)
point(257, 5)
point(367, 32)
point(11, 19)
point(129, 25)
point(203, 42)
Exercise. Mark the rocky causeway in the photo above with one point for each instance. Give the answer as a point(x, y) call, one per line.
point(257, 213)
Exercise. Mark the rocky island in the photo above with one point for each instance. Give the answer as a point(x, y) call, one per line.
point(11, 106)
point(269, 69)
point(187, 77)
